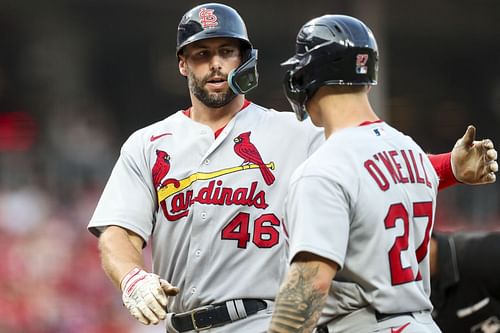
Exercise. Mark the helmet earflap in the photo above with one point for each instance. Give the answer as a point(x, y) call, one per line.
point(245, 77)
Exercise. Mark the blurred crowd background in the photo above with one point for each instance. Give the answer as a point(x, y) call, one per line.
point(78, 76)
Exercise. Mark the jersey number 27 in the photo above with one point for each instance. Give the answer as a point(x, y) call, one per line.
point(398, 212)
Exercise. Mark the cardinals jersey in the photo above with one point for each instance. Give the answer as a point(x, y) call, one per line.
point(366, 200)
point(211, 208)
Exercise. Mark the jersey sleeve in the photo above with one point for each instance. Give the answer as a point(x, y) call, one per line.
point(315, 207)
point(128, 199)
point(442, 165)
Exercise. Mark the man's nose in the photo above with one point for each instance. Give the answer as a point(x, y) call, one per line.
point(215, 62)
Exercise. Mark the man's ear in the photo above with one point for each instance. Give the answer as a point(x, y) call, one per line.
point(182, 66)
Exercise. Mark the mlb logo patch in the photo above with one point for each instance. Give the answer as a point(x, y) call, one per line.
point(361, 60)
point(379, 131)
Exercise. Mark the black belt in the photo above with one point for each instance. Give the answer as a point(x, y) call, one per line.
point(384, 316)
point(213, 315)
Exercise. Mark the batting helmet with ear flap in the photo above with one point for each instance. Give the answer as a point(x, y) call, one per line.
point(330, 50)
point(215, 20)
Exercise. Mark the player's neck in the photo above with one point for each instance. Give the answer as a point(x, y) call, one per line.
point(345, 110)
point(215, 118)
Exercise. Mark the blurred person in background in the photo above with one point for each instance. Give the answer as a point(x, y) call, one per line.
point(205, 188)
point(465, 281)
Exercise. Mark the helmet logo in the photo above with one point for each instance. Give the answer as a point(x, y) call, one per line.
point(361, 60)
point(207, 18)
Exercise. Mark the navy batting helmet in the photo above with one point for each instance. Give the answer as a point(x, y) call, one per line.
point(213, 20)
point(330, 50)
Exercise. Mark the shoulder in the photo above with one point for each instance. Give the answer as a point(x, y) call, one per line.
point(270, 113)
point(262, 111)
point(476, 242)
point(467, 245)
point(282, 120)
point(148, 134)
point(329, 162)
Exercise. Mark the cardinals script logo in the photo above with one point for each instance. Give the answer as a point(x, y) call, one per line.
point(179, 197)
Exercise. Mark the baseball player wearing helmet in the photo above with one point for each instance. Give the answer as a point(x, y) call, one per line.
point(360, 210)
point(205, 187)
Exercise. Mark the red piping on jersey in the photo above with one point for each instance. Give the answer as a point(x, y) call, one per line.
point(364, 123)
point(246, 103)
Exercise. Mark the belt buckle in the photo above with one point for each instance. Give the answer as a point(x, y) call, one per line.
point(193, 319)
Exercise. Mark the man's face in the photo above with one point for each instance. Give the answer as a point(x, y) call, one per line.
point(206, 64)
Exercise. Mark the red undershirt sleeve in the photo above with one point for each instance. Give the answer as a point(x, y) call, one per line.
point(442, 165)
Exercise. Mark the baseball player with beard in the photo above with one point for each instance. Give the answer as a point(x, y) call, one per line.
point(360, 210)
point(205, 188)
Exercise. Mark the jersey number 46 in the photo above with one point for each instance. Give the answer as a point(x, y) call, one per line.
point(265, 234)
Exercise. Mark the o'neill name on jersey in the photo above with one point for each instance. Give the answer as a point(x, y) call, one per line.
point(402, 167)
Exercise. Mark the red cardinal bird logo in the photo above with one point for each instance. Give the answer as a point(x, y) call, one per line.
point(247, 151)
point(160, 168)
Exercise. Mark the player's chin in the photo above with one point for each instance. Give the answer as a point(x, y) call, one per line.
point(219, 95)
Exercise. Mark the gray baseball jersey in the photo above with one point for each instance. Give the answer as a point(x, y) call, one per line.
point(366, 200)
point(212, 208)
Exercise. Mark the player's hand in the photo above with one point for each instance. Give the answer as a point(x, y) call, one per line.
point(145, 295)
point(474, 162)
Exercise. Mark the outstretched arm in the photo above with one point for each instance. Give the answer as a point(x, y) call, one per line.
point(303, 294)
point(470, 162)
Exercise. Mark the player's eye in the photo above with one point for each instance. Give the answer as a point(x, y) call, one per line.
point(227, 52)
point(201, 54)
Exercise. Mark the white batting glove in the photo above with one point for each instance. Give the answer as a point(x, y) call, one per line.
point(474, 162)
point(145, 295)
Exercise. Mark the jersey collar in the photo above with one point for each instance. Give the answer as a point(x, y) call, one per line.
point(366, 123)
point(187, 113)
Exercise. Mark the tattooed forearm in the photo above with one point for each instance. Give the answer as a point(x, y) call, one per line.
point(299, 301)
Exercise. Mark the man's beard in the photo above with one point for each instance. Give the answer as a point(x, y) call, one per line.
point(212, 100)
